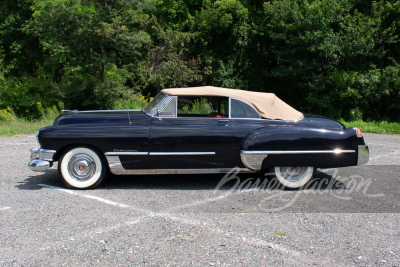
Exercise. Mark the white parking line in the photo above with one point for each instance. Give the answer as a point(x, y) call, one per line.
point(209, 227)
point(250, 241)
point(73, 192)
point(103, 200)
point(91, 234)
point(5, 208)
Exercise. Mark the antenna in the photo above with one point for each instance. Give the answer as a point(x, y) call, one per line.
point(126, 104)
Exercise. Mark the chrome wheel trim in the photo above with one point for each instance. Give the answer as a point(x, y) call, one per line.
point(294, 177)
point(75, 177)
point(81, 167)
point(293, 173)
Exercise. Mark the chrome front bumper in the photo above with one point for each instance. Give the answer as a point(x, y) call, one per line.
point(363, 155)
point(41, 159)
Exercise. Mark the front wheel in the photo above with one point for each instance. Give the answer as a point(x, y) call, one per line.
point(294, 176)
point(81, 168)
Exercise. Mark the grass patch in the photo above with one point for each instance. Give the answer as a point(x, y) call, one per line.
point(280, 233)
point(12, 125)
point(20, 126)
point(382, 127)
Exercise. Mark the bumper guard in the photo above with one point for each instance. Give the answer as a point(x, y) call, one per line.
point(41, 159)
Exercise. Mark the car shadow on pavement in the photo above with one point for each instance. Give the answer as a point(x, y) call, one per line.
point(321, 181)
point(32, 182)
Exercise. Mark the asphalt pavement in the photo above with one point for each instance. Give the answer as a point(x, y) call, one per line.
point(343, 217)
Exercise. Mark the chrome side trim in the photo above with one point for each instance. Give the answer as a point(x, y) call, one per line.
point(116, 168)
point(126, 153)
point(180, 153)
point(335, 151)
point(254, 159)
point(75, 111)
point(363, 155)
point(158, 153)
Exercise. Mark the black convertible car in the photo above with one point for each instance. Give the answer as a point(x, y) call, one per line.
point(197, 130)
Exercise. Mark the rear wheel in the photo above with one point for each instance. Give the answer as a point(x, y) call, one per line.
point(81, 168)
point(294, 176)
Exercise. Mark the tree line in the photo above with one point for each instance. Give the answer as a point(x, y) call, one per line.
point(338, 58)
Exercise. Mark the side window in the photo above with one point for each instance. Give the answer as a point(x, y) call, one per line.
point(204, 106)
point(169, 109)
point(240, 109)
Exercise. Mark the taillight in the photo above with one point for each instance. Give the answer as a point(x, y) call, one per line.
point(359, 133)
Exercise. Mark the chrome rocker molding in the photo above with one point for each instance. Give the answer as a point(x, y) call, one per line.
point(254, 159)
point(41, 159)
point(363, 155)
point(116, 168)
point(157, 153)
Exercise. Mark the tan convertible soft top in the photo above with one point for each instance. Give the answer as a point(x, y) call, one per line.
point(268, 105)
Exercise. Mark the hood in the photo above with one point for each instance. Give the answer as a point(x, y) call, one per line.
point(99, 117)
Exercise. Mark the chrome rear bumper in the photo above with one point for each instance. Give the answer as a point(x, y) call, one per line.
point(41, 159)
point(363, 155)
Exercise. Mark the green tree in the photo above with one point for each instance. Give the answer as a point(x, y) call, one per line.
point(89, 41)
point(167, 63)
point(331, 57)
point(222, 29)
point(326, 57)
point(22, 51)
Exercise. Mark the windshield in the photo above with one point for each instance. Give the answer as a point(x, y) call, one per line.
point(153, 105)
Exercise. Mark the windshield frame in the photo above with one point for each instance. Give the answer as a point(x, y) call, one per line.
point(159, 100)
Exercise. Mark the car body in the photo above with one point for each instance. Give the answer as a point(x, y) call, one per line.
point(197, 130)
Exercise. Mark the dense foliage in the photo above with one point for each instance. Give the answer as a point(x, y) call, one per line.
point(338, 58)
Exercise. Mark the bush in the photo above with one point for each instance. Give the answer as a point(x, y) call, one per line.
point(7, 115)
point(87, 92)
point(23, 94)
point(134, 101)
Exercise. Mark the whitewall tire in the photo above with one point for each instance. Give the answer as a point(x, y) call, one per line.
point(294, 176)
point(81, 168)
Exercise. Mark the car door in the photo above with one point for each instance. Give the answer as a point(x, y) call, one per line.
point(191, 141)
point(245, 119)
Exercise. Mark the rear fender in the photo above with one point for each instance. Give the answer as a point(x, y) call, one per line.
point(300, 146)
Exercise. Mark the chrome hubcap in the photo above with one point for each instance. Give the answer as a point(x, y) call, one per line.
point(81, 167)
point(293, 174)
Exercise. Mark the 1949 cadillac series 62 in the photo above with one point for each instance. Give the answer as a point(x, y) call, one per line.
point(197, 130)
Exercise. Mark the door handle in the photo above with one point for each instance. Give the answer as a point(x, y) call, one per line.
point(223, 122)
